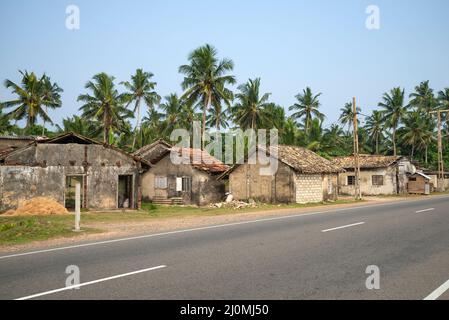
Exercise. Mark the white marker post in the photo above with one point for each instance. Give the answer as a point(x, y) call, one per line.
point(77, 206)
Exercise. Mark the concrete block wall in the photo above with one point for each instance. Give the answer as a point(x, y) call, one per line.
point(309, 188)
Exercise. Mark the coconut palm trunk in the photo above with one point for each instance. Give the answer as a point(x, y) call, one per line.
point(43, 127)
point(137, 124)
point(377, 143)
point(106, 126)
point(394, 142)
point(203, 125)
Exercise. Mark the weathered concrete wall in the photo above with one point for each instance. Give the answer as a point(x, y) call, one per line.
point(330, 187)
point(19, 183)
point(16, 143)
point(246, 182)
point(205, 189)
point(389, 186)
point(42, 170)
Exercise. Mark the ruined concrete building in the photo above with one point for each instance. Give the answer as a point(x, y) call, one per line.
point(194, 181)
point(109, 177)
point(302, 176)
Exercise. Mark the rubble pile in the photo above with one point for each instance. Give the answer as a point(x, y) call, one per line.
point(234, 204)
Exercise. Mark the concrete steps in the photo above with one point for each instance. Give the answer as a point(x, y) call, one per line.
point(167, 201)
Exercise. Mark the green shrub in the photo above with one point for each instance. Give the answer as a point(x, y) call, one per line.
point(6, 226)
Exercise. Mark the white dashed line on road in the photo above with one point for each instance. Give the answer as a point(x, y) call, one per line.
point(342, 227)
point(89, 283)
point(438, 292)
point(425, 210)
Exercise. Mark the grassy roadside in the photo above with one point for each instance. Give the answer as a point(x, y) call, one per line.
point(411, 196)
point(21, 230)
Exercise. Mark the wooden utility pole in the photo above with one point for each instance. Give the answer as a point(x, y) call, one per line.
point(440, 151)
point(358, 191)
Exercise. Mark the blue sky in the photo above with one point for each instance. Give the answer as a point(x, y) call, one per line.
point(323, 44)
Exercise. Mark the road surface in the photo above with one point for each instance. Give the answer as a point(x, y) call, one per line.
point(323, 255)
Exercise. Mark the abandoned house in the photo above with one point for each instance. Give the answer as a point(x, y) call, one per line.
point(109, 177)
point(379, 175)
point(302, 176)
point(419, 183)
point(189, 183)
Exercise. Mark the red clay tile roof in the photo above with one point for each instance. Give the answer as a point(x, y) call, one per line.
point(201, 160)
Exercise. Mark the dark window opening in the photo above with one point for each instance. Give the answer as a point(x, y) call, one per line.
point(70, 189)
point(351, 180)
point(186, 184)
point(125, 198)
point(378, 180)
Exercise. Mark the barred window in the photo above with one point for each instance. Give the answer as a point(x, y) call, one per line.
point(186, 183)
point(183, 184)
point(378, 180)
point(351, 180)
point(161, 183)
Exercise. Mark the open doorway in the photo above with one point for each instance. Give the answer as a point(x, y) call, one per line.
point(125, 192)
point(70, 185)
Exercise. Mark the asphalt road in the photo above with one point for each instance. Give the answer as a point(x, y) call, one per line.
point(311, 256)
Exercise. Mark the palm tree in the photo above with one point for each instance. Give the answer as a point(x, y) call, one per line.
point(172, 108)
point(276, 118)
point(413, 133)
point(6, 127)
point(218, 112)
point(307, 108)
point(105, 104)
point(51, 93)
point(141, 88)
point(443, 98)
point(290, 133)
point(250, 110)
point(82, 126)
point(423, 98)
point(205, 80)
point(347, 115)
point(375, 127)
point(217, 118)
point(394, 111)
point(32, 95)
point(152, 126)
point(315, 138)
point(333, 139)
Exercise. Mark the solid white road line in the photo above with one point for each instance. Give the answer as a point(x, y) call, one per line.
point(438, 292)
point(208, 227)
point(425, 210)
point(89, 283)
point(342, 227)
